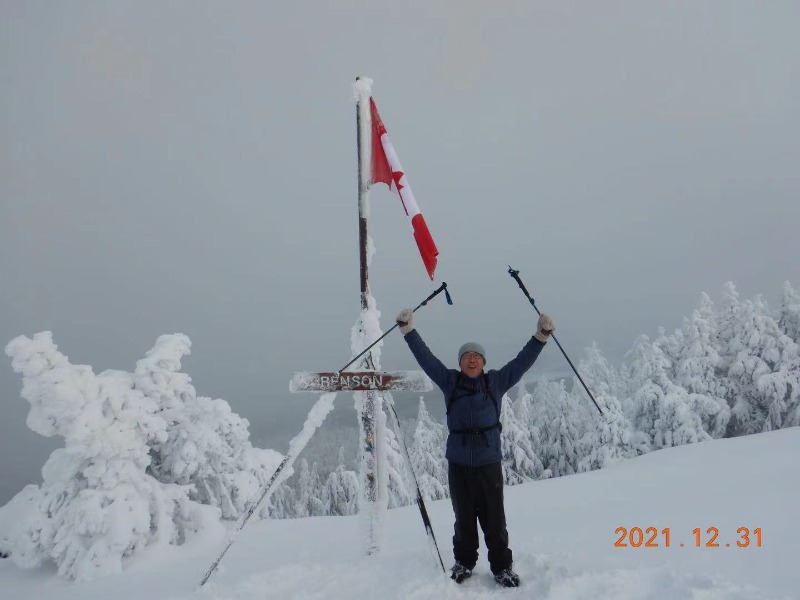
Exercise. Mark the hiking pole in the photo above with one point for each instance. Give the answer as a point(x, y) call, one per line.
point(515, 274)
point(439, 290)
point(315, 417)
point(426, 520)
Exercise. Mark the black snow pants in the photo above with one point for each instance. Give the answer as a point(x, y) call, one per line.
point(477, 496)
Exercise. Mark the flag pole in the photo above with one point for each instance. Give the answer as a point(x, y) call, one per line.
point(363, 197)
point(370, 403)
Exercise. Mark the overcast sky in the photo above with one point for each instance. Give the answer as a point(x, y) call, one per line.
point(191, 167)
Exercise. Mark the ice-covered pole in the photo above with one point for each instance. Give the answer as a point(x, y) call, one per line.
point(362, 90)
point(368, 403)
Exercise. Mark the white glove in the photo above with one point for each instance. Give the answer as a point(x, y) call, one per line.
point(544, 328)
point(405, 320)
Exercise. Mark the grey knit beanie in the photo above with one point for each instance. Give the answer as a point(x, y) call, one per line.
point(471, 347)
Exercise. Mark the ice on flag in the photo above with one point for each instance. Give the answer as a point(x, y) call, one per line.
point(386, 168)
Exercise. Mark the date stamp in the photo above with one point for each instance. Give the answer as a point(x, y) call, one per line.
point(652, 537)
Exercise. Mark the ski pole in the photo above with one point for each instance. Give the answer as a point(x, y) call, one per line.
point(426, 521)
point(315, 417)
point(439, 290)
point(515, 274)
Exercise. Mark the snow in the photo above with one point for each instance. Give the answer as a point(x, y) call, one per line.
point(562, 534)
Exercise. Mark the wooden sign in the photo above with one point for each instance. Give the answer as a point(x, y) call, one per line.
point(410, 381)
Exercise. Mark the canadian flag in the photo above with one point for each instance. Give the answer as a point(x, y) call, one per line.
point(386, 168)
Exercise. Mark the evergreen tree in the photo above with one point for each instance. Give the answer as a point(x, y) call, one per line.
point(427, 455)
point(697, 369)
point(661, 409)
point(756, 350)
point(612, 438)
point(340, 493)
point(393, 465)
point(646, 367)
point(601, 377)
point(282, 502)
point(559, 424)
point(789, 318)
point(519, 459)
point(207, 445)
point(307, 491)
point(96, 505)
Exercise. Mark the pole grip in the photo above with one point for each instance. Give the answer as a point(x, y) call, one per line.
point(439, 290)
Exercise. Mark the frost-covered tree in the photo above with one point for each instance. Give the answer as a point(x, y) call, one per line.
point(520, 462)
point(560, 423)
point(728, 328)
point(670, 345)
point(611, 439)
point(427, 455)
point(308, 488)
point(676, 422)
point(661, 409)
point(645, 367)
point(758, 386)
point(697, 369)
point(96, 505)
point(207, 445)
point(340, 493)
point(601, 377)
point(281, 503)
point(789, 318)
point(395, 467)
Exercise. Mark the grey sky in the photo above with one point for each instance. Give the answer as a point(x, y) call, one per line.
point(191, 167)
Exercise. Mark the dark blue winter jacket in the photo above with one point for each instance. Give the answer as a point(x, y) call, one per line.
point(473, 414)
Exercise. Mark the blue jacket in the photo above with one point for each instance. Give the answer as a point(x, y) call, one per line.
point(473, 411)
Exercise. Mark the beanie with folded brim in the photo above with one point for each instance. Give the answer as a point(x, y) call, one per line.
point(471, 347)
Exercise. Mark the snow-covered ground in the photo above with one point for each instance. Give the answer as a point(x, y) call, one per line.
point(562, 534)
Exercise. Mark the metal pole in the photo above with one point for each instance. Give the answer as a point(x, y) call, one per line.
point(370, 400)
point(515, 274)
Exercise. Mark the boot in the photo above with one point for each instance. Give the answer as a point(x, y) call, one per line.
point(507, 578)
point(459, 572)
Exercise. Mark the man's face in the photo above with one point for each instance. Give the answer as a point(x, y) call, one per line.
point(471, 364)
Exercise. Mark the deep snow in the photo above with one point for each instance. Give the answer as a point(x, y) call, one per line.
point(562, 534)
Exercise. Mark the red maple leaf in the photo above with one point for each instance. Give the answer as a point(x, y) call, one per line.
point(397, 176)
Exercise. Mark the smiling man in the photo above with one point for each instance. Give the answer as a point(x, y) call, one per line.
point(475, 473)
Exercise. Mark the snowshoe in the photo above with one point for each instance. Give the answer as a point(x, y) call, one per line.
point(507, 578)
point(459, 572)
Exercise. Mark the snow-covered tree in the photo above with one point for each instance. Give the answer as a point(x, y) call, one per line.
point(308, 490)
point(96, 505)
point(661, 409)
point(728, 327)
point(789, 318)
point(520, 462)
point(395, 467)
point(601, 377)
point(758, 387)
point(207, 445)
point(645, 368)
point(427, 455)
point(559, 423)
point(697, 369)
point(670, 345)
point(676, 422)
point(611, 439)
point(281, 504)
point(340, 493)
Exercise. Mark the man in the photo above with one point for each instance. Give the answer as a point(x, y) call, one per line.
point(475, 473)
